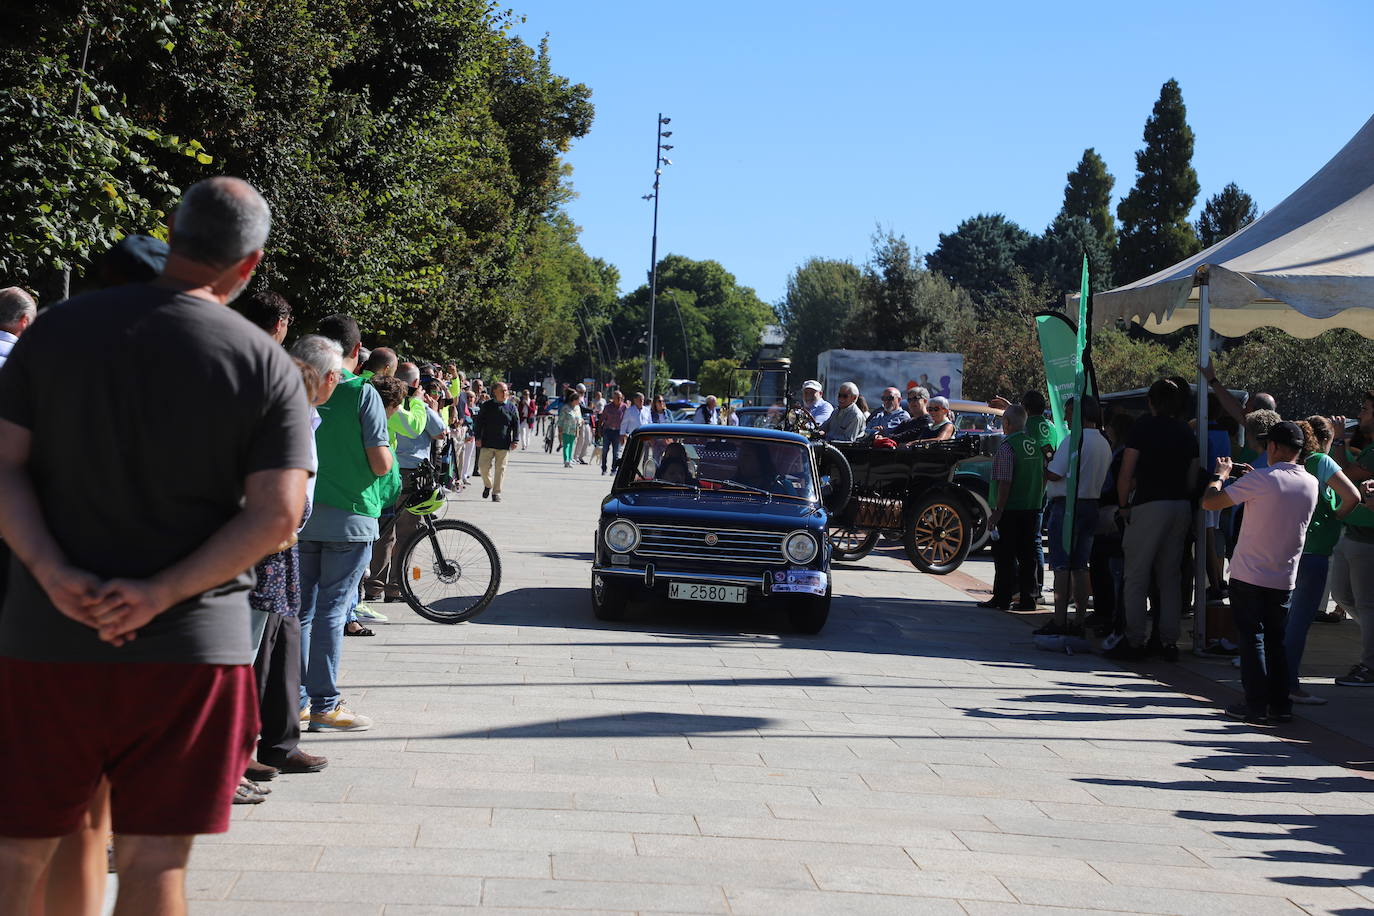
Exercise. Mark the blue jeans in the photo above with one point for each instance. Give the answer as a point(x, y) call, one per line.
point(610, 448)
point(1261, 615)
point(330, 574)
point(1303, 608)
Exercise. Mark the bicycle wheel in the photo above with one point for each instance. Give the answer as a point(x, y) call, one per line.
point(449, 573)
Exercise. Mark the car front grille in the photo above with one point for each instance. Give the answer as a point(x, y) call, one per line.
point(686, 543)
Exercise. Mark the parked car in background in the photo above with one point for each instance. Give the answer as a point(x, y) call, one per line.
point(723, 515)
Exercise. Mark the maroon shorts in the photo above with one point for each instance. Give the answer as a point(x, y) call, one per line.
point(173, 740)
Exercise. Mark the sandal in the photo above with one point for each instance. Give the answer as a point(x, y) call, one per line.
point(360, 631)
point(1330, 617)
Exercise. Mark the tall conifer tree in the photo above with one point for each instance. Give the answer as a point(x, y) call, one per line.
point(1088, 194)
point(1155, 231)
point(1225, 214)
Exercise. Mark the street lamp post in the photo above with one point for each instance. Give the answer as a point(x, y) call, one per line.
point(659, 161)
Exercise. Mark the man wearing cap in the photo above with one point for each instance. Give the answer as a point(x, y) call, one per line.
point(1278, 501)
point(820, 408)
point(892, 413)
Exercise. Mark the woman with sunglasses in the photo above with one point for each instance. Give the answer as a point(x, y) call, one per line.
point(941, 419)
point(658, 412)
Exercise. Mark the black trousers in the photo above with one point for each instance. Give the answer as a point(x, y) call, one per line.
point(278, 671)
point(1261, 616)
point(1014, 555)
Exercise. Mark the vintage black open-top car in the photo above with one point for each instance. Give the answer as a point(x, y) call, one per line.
point(719, 514)
point(908, 493)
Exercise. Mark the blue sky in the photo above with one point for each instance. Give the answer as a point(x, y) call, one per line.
point(800, 126)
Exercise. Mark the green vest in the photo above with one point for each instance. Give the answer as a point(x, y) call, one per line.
point(1027, 475)
point(345, 479)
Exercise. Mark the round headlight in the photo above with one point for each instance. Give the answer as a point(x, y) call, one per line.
point(800, 547)
point(622, 536)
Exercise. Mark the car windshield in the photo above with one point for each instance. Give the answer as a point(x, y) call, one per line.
point(725, 463)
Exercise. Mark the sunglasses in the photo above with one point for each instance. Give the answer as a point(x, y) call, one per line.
point(888, 397)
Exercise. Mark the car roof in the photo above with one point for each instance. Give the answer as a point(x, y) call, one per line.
point(701, 429)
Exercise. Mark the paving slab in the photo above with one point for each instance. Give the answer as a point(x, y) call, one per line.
point(917, 756)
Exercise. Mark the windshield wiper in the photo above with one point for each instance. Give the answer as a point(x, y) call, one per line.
point(736, 485)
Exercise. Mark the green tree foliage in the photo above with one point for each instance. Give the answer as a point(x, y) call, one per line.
point(1088, 194)
point(1123, 362)
point(1057, 256)
point(820, 296)
point(1326, 375)
point(722, 378)
point(720, 317)
point(82, 167)
point(1155, 231)
point(1001, 350)
point(903, 307)
point(410, 148)
point(1225, 214)
point(629, 375)
point(981, 254)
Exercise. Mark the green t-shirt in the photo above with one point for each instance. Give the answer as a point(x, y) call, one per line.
point(1027, 476)
point(1324, 528)
point(1359, 525)
point(1045, 434)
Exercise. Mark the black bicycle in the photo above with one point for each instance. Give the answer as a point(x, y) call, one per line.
point(449, 569)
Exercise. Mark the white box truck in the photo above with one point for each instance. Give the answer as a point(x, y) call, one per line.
point(874, 370)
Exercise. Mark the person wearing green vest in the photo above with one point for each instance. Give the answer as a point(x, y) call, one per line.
point(1017, 495)
point(1336, 499)
point(353, 484)
point(1352, 560)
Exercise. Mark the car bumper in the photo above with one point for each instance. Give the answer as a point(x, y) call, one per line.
point(651, 575)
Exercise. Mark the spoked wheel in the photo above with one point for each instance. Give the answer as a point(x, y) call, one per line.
point(450, 572)
point(851, 544)
point(938, 534)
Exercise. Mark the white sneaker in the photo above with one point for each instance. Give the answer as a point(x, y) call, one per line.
point(1307, 699)
point(339, 719)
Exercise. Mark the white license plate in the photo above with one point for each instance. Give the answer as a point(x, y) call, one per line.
point(690, 591)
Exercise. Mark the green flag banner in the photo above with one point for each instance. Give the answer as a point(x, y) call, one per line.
point(1080, 388)
point(1058, 347)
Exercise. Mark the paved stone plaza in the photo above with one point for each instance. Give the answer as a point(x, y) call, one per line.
point(919, 756)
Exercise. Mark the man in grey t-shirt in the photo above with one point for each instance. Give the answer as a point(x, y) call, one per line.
point(128, 602)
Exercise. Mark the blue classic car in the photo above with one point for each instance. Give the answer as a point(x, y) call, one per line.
point(720, 514)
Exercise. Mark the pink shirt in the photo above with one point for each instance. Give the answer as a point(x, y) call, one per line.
point(1278, 503)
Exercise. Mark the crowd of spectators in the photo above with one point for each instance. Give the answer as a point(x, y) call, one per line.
point(1285, 523)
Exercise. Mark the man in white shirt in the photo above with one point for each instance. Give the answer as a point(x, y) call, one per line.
point(635, 416)
point(1071, 566)
point(820, 408)
point(17, 311)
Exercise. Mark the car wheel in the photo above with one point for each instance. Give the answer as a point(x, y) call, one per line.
point(851, 544)
point(610, 599)
point(938, 533)
point(808, 615)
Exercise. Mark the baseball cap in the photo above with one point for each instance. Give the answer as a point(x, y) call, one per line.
point(1286, 434)
point(136, 258)
point(812, 384)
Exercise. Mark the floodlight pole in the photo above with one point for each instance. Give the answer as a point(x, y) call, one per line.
point(659, 162)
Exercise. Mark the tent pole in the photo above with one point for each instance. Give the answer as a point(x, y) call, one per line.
point(1204, 357)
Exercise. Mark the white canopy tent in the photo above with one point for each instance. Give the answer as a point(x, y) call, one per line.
point(1305, 267)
